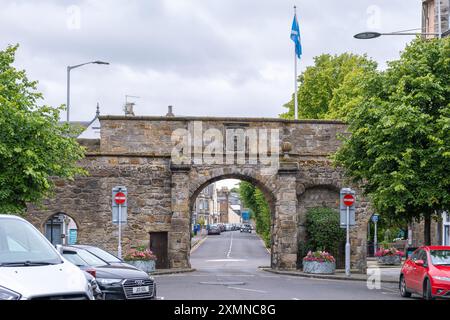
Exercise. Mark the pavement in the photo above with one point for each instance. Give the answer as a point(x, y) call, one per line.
point(227, 266)
point(197, 239)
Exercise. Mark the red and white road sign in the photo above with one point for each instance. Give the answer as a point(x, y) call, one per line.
point(120, 198)
point(349, 200)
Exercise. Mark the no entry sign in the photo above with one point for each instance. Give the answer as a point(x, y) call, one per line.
point(120, 198)
point(349, 200)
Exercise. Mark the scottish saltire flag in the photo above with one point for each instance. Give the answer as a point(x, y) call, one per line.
point(295, 36)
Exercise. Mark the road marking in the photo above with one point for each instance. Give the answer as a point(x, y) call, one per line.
point(233, 275)
point(252, 290)
point(231, 245)
point(197, 245)
point(225, 260)
point(295, 299)
point(223, 283)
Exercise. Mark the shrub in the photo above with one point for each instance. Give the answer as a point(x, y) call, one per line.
point(323, 231)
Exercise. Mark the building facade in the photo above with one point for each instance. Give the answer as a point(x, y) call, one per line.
point(430, 17)
point(204, 206)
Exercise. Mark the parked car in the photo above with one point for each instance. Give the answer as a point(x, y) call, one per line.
point(222, 227)
point(94, 287)
point(246, 228)
point(214, 229)
point(102, 254)
point(119, 281)
point(32, 269)
point(228, 227)
point(427, 273)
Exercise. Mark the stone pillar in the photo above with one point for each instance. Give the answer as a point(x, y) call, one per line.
point(180, 236)
point(284, 245)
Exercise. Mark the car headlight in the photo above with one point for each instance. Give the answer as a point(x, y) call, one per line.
point(104, 281)
point(6, 294)
point(442, 278)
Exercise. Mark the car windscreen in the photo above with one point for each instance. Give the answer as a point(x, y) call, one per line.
point(83, 258)
point(21, 243)
point(73, 257)
point(440, 257)
point(104, 255)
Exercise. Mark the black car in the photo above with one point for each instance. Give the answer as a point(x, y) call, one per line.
point(117, 281)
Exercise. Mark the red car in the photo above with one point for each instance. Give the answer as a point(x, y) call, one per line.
point(427, 272)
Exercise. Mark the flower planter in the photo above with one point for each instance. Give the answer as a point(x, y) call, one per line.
point(144, 265)
point(390, 260)
point(319, 267)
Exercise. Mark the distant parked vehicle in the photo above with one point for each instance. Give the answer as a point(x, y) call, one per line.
point(214, 229)
point(427, 273)
point(228, 227)
point(222, 227)
point(117, 281)
point(246, 228)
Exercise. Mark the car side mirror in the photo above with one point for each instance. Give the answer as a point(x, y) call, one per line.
point(419, 263)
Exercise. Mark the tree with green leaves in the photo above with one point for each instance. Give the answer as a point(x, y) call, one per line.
point(254, 199)
point(332, 87)
point(34, 146)
point(399, 147)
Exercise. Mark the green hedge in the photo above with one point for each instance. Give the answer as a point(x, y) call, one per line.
point(322, 232)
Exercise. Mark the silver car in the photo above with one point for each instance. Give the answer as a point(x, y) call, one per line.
point(32, 269)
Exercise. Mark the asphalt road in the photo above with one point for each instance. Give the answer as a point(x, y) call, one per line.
point(227, 268)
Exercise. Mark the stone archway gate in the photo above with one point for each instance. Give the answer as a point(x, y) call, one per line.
point(143, 154)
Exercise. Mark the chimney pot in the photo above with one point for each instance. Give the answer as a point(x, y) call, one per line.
point(169, 112)
point(129, 109)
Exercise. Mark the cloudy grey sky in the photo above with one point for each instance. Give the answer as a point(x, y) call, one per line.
point(204, 57)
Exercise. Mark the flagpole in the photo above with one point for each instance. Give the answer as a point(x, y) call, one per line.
point(295, 77)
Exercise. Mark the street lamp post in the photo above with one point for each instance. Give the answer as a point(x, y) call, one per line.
point(371, 34)
point(68, 82)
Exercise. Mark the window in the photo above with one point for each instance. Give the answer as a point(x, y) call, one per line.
point(102, 254)
point(20, 242)
point(440, 257)
point(83, 258)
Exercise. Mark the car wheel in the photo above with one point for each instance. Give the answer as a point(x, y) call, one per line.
point(427, 295)
point(403, 291)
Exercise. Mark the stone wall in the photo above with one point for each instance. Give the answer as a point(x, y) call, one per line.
point(136, 152)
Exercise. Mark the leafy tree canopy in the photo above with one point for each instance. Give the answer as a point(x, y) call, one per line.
point(34, 146)
point(399, 147)
point(332, 87)
point(254, 199)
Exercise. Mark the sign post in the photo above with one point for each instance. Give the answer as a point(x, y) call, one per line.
point(119, 201)
point(375, 240)
point(348, 202)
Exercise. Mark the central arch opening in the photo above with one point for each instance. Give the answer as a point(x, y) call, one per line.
point(231, 222)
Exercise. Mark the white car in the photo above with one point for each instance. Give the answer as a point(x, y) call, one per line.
point(32, 269)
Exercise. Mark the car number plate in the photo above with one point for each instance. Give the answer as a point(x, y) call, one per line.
point(141, 289)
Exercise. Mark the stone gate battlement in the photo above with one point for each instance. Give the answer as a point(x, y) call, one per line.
point(138, 152)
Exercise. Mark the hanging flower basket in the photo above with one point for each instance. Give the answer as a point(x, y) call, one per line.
point(141, 258)
point(389, 256)
point(319, 262)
